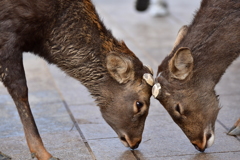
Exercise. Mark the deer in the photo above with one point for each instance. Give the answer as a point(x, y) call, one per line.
point(186, 78)
point(70, 35)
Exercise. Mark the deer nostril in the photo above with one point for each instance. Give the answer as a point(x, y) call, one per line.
point(197, 148)
point(208, 136)
point(209, 139)
point(136, 145)
point(123, 139)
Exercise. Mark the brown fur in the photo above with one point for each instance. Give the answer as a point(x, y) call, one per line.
point(69, 34)
point(213, 40)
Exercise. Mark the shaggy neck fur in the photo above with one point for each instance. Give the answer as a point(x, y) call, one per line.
point(79, 44)
point(213, 38)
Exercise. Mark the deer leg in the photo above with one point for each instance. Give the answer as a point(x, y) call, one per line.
point(15, 81)
point(235, 130)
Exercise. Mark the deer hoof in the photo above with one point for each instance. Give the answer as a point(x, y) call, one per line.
point(4, 157)
point(235, 130)
point(33, 155)
point(156, 90)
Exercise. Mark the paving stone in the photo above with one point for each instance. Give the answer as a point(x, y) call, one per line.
point(71, 89)
point(230, 111)
point(37, 73)
point(91, 122)
point(87, 114)
point(169, 140)
point(202, 156)
point(64, 145)
point(109, 149)
point(3, 90)
point(227, 84)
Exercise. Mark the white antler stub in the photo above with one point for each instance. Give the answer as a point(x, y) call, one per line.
point(156, 90)
point(148, 78)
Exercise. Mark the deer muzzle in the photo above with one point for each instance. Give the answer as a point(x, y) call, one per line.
point(131, 143)
point(208, 140)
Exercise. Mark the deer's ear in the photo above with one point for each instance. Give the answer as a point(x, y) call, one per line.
point(181, 64)
point(120, 67)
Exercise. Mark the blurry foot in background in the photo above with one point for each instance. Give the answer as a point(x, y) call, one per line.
point(235, 130)
point(158, 8)
point(142, 5)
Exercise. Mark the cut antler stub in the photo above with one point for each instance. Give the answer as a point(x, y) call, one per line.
point(156, 90)
point(148, 78)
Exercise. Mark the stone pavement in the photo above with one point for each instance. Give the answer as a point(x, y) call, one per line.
point(70, 123)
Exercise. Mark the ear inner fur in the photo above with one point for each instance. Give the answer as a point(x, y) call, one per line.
point(119, 67)
point(181, 64)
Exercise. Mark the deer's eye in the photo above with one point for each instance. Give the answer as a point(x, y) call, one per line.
point(139, 106)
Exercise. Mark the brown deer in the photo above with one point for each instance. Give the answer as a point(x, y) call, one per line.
point(187, 77)
point(69, 34)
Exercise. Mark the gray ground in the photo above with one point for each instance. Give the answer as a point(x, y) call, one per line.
point(58, 101)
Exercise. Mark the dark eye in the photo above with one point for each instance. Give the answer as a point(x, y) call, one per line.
point(139, 105)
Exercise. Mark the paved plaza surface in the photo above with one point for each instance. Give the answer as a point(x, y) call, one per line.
point(70, 123)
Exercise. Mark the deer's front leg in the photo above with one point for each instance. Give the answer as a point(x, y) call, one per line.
point(15, 81)
point(235, 130)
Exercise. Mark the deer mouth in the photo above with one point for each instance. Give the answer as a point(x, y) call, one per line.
point(197, 148)
point(131, 144)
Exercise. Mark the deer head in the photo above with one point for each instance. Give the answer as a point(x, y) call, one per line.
point(128, 93)
point(188, 96)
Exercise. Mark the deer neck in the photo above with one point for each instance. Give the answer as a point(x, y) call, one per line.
point(78, 44)
point(213, 38)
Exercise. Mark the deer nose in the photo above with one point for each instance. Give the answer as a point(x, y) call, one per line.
point(207, 142)
point(198, 147)
point(132, 143)
point(136, 145)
